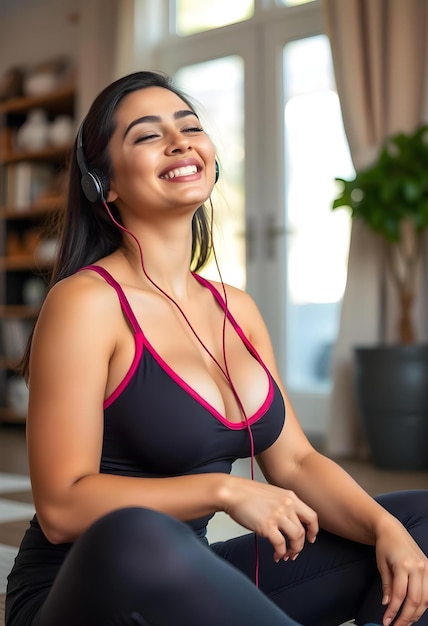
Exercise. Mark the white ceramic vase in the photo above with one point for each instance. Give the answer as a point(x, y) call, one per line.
point(33, 134)
point(61, 130)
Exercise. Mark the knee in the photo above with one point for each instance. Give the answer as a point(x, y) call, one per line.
point(134, 526)
point(139, 546)
point(134, 534)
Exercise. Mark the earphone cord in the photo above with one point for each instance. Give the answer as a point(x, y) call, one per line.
point(232, 386)
point(225, 369)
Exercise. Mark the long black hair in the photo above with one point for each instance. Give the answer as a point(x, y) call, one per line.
point(86, 232)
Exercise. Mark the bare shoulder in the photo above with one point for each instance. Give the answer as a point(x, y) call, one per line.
point(82, 293)
point(81, 308)
point(77, 332)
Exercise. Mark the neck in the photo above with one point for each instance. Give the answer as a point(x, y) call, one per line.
point(166, 255)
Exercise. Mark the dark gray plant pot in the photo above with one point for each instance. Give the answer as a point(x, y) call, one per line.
point(392, 393)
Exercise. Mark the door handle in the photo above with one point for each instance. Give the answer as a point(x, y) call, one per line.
point(249, 235)
point(272, 232)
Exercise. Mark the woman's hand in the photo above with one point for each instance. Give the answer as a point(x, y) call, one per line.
point(404, 571)
point(274, 513)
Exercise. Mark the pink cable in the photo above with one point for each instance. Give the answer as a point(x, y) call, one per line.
point(225, 370)
point(232, 386)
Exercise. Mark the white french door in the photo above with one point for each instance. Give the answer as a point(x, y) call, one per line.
point(215, 71)
point(266, 85)
point(311, 243)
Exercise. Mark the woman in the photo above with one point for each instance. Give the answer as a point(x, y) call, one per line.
point(146, 383)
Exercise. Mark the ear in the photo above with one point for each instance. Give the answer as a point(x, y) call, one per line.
point(112, 196)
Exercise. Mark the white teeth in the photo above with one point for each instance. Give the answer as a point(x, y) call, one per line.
point(181, 171)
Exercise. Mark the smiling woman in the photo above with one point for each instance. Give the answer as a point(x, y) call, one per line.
point(147, 381)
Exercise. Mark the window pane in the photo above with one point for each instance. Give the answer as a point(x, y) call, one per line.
point(195, 16)
point(318, 239)
point(217, 89)
point(293, 3)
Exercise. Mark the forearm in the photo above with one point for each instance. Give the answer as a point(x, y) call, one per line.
point(343, 507)
point(66, 516)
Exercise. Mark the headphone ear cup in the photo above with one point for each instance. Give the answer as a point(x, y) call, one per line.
point(95, 186)
point(217, 171)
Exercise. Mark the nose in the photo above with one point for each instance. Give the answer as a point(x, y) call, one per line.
point(178, 143)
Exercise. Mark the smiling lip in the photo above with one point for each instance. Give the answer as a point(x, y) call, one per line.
point(181, 169)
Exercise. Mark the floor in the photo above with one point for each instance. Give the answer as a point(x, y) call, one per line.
point(16, 504)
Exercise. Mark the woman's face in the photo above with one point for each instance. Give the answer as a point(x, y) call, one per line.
point(161, 157)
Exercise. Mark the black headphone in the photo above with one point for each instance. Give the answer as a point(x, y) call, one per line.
point(95, 184)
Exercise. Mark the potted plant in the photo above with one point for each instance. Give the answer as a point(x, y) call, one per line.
point(391, 198)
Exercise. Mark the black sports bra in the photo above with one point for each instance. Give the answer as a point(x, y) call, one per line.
point(156, 425)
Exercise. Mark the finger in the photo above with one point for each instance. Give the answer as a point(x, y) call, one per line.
point(282, 549)
point(309, 519)
point(414, 604)
point(398, 594)
point(295, 535)
point(312, 528)
point(279, 544)
point(386, 586)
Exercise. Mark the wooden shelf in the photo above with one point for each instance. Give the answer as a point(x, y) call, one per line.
point(23, 262)
point(22, 227)
point(38, 209)
point(60, 100)
point(8, 415)
point(20, 311)
point(51, 153)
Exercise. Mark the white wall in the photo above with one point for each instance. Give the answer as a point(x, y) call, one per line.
point(33, 32)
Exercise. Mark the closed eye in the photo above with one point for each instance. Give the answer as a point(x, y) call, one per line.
point(190, 130)
point(145, 138)
point(195, 129)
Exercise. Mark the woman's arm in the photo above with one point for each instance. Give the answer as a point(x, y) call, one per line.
point(343, 507)
point(75, 339)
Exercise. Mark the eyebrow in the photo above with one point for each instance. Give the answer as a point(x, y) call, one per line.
point(149, 119)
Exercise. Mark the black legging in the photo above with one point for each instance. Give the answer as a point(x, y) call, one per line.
point(137, 566)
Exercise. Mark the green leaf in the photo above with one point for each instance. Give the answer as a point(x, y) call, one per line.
point(394, 188)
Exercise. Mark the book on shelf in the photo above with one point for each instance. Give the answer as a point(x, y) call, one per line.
point(25, 182)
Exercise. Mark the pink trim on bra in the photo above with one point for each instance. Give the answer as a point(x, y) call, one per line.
point(141, 341)
point(139, 345)
point(192, 392)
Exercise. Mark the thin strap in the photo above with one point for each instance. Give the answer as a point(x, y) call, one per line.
point(217, 296)
point(126, 307)
point(230, 317)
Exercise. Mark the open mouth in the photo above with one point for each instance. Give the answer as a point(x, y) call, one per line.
point(187, 170)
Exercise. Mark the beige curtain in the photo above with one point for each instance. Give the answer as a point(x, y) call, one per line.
point(379, 50)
